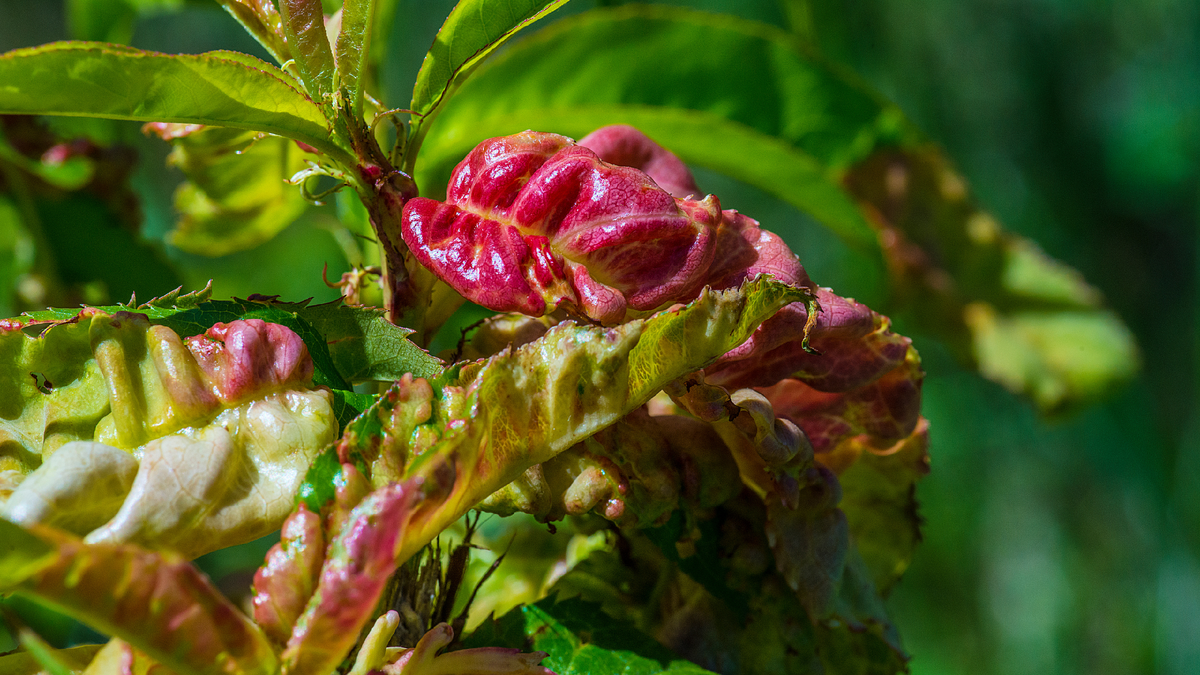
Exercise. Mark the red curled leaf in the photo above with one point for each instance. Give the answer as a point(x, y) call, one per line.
point(288, 578)
point(532, 222)
point(360, 560)
point(624, 145)
point(853, 345)
point(886, 409)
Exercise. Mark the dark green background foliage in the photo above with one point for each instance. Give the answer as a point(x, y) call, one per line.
point(1064, 546)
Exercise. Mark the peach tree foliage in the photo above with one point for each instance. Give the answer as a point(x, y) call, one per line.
point(733, 448)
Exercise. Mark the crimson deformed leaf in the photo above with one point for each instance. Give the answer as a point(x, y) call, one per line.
point(533, 221)
point(783, 119)
point(123, 431)
point(288, 577)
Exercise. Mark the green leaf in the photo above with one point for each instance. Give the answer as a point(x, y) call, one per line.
point(236, 195)
point(261, 20)
point(472, 31)
point(1060, 359)
point(43, 652)
point(579, 638)
point(217, 88)
point(770, 100)
point(166, 607)
point(22, 555)
point(880, 503)
point(1029, 322)
point(304, 26)
point(353, 48)
point(26, 663)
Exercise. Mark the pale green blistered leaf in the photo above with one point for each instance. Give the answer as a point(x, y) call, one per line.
point(217, 88)
point(579, 638)
point(165, 607)
point(635, 473)
point(347, 343)
point(215, 440)
point(768, 99)
point(236, 195)
point(1029, 322)
point(76, 659)
point(472, 31)
point(494, 419)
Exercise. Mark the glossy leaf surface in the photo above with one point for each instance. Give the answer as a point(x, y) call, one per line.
point(473, 30)
point(261, 19)
point(218, 88)
point(303, 24)
point(533, 222)
point(191, 445)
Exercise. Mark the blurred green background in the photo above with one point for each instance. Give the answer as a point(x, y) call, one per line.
point(1063, 546)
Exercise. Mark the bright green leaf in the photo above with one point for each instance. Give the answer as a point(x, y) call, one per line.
point(579, 638)
point(101, 80)
point(474, 29)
